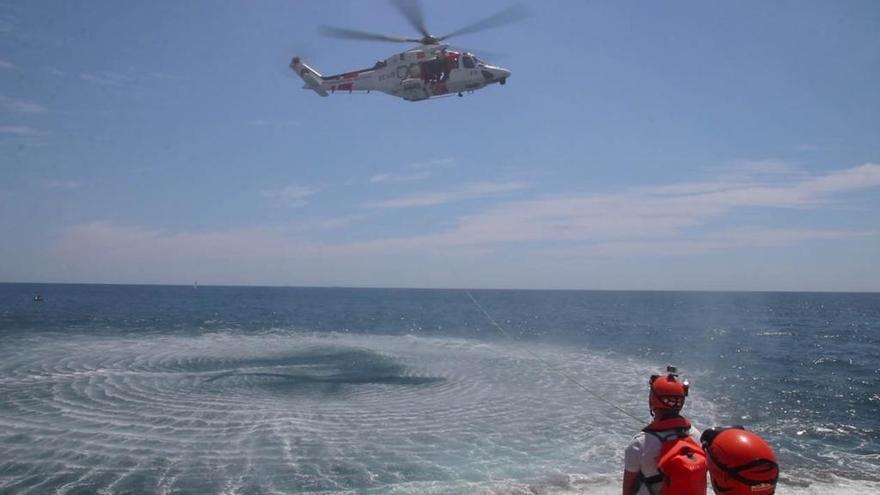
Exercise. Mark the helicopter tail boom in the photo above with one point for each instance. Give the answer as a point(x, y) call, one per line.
point(310, 76)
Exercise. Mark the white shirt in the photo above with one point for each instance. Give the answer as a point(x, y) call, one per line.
point(641, 454)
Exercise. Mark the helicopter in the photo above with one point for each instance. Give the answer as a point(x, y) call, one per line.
point(430, 70)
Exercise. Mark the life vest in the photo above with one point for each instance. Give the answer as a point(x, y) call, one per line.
point(681, 462)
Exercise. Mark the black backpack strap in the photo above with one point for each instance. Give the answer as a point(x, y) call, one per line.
point(648, 481)
point(678, 432)
point(653, 433)
point(659, 477)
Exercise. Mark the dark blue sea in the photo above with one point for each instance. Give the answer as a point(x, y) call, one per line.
point(160, 389)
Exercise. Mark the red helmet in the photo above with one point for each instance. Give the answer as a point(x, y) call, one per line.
point(740, 462)
point(667, 392)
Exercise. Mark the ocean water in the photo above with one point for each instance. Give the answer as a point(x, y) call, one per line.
point(143, 389)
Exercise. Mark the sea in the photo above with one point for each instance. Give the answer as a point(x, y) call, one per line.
point(116, 389)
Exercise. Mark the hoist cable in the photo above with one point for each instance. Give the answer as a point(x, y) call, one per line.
point(550, 366)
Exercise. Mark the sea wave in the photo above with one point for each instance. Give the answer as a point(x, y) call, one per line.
point(320, 412)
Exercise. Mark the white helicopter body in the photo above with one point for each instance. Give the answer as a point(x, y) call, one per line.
point(424, 72)
point(417, 74)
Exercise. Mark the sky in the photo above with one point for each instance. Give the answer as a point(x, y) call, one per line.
point(682, 145)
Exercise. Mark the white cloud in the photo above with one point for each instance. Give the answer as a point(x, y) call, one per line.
point(782, 237)
point(22, 106)
point(292, 196)
point(716, 242)
point(21, 130)
point(106, 78)
point(650, 228)
point(766, 170)
point(754, 168)
point(6, 65)
point(863, 177)
point(646, 213)
point(109, 252)
point(469, 191)
point(686, 188)
point(146, 243)
point(399, 177)
point(422, 170)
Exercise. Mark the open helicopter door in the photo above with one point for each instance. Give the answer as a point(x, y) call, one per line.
point(413, 89)
point(310, 76)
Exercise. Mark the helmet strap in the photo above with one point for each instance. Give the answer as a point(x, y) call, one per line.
point(734, 472)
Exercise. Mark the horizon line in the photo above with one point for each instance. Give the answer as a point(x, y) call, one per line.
point(369, 287)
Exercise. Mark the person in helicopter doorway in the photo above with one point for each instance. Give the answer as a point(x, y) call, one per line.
point(740, 462)
point(433, 69)
point(666, 456)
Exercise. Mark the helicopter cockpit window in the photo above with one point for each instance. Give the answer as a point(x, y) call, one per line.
point(468, 63)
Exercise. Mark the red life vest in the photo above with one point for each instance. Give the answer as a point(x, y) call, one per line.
point(681, 462)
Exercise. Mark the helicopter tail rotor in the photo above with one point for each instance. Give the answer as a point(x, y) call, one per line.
point(310, 76)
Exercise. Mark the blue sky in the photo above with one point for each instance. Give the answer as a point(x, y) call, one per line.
point(666, 145)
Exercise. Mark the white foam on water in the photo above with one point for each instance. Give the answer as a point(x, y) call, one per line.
point(579, 484)
point(322, 413)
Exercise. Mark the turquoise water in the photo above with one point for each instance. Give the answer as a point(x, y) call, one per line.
point(141, 389)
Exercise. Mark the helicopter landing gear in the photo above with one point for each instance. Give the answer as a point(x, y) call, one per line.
point(503, 81)
point(460, 95)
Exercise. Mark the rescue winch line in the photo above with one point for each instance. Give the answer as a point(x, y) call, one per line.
point(550, 366)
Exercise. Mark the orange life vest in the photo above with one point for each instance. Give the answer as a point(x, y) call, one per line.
point(681, 462)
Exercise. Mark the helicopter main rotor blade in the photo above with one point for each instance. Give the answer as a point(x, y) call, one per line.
point(514, 13)
point(412, 10)
point(351, 34)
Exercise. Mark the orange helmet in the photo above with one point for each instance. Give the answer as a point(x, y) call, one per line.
point(740, 462)
point(667, 393)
